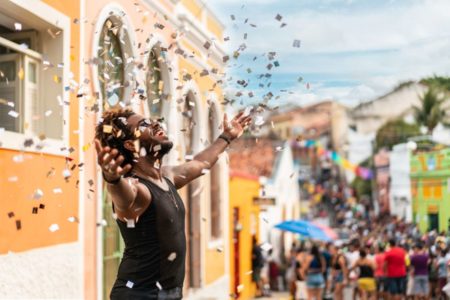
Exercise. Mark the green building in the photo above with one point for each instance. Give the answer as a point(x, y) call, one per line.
point(430, 189)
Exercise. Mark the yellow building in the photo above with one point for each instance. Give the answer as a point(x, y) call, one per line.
point(244, 221)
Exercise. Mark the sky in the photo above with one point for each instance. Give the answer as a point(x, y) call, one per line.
point(350, 50)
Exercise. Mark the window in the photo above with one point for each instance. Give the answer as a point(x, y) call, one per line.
point(31, 76)
point(156, 85)
point(215, 203)
point(111, 71)
point(189, 123)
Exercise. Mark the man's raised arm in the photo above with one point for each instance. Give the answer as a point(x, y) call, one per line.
point(205, 160)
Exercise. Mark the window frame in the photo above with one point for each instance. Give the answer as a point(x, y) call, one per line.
point(44, 14)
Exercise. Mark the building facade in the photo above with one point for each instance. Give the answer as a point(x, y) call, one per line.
point(430, 189)
point(62, 65)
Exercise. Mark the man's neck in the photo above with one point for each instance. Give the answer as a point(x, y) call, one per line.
point(148, 167)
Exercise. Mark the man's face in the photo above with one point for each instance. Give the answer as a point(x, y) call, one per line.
point(153, 138)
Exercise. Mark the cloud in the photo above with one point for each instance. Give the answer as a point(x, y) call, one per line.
point(351, 50)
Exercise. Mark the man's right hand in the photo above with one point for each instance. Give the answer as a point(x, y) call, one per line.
point(110, 162)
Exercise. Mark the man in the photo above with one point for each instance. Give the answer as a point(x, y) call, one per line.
point(395, 265)
point(419, 263)
point(150, 213)
point(257, 265)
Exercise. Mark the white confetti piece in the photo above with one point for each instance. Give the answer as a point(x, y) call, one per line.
point(130, 223)
point(13, 179)
point(18, 26)
point(219, 249)
point(48, 113)
point(142, 152)
point(158, 285)
point(18, 158)
point(66, 173)
point(102, 223)
point(113, 100)
point(72, 219)
point(57, 191)
point(157, 148)
point(249, 272)
point(172, 256)
point(53, 227)
point(240, 288)
point(189, 157)
point(38, 193)
point(13, 113)
point(130, 284)
point(205, 171)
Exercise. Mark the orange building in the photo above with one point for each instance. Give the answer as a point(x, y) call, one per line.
point(62, 63)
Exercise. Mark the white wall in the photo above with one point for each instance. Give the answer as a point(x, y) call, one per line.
point(285, 190)
point(400, 201)
point(44, 273)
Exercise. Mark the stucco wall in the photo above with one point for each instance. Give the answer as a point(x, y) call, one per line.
point(44, 273)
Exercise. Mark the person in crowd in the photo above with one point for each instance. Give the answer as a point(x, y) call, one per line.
point(366, 278)
point(432, 274)
point(257, 265)
point(300, 283)
point(395, 265)
point(380, 274)
point(313, 269)
point(327, 256)
point(442, 265)
point(352, 256)
point(419, 265)
point(339, 272)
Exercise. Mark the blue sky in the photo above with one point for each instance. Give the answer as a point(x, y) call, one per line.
point(351, 51)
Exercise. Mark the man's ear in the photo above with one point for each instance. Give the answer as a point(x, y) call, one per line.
point(131, 145)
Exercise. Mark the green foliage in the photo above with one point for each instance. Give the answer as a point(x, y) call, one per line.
point(431, 112)
point(361, 186)
point(437, 82)
point(395, 132)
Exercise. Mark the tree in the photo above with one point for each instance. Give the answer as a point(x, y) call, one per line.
point(395, 132)
point(363, 187)
point(431, 110)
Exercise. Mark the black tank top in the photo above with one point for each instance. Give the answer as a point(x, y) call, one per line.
point(155, 248)
point(365, 271)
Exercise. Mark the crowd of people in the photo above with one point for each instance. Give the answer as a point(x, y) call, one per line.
point(383, 258)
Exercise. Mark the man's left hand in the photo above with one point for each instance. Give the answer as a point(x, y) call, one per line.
point(236, 126)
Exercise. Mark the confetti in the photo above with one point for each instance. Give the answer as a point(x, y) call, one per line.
point(48, 113)
point(205, 171)
point(158, 285)
point(18, 224)
point(219, 249)
point(240, 288)
point(72, 219)
point(278, 17)
point(13, 113)
point(35, 210)
point(53, 227)
point(18, 26)
point(172, 256)
point(107, 128)
point(129, 284)
point(130, 223)
point(13, 179)
point(113, 100)
point(296, 43)
point(20, 74)
point(42, 206)
point(102, 223)
point(57, 191)
point(38, 194)
point(10, 214)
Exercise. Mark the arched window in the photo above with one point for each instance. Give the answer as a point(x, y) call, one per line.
point(111, 73)
point(155, 83)
point(215, 203)
point(189, 123)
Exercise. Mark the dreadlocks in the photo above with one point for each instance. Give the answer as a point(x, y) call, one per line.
point(113, 131)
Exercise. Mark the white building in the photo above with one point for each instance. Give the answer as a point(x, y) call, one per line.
point(284, 188)
point(400, 201)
